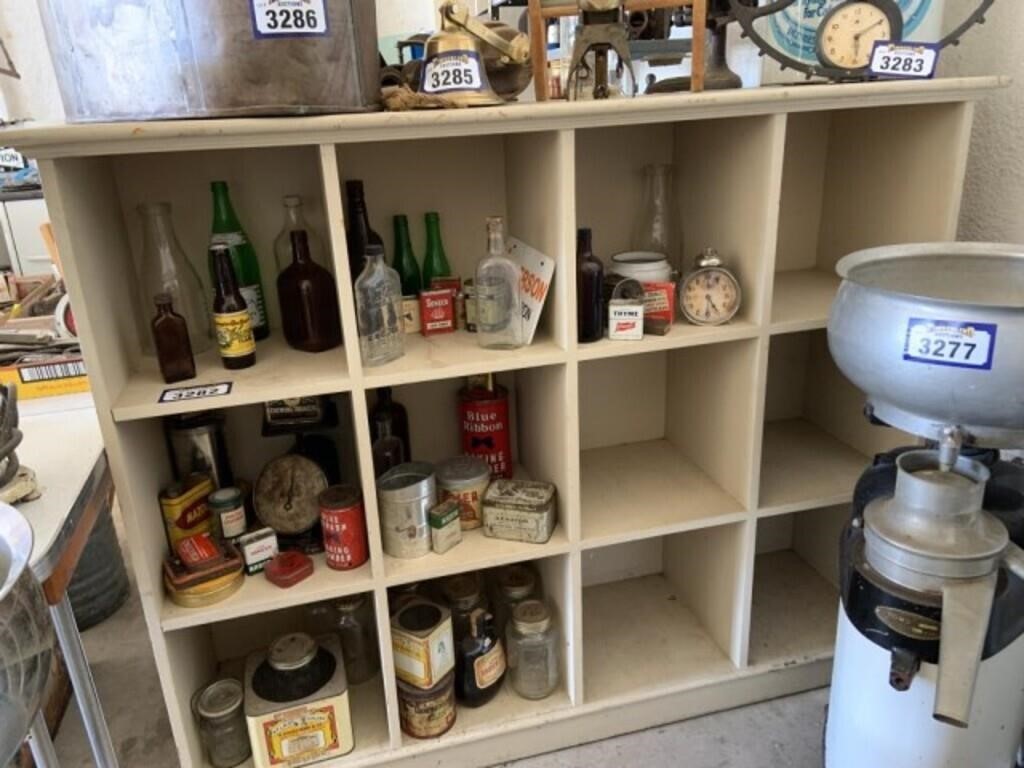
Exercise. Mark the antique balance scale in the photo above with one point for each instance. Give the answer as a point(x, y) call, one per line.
point(929, 664)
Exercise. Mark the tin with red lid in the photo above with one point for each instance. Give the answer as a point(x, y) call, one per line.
point(344, 525)
point(288, 568)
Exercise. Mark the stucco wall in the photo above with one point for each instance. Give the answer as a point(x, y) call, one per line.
point(993, 207)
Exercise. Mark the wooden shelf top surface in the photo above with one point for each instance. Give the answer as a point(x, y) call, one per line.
point(84, 139)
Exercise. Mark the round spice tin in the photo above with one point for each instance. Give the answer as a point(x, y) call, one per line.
point(465, 479)
point(405, 495)
point(425, 714)
point(344, 525)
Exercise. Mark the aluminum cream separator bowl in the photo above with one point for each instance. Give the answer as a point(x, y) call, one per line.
point(933, 334)
point(26, 635)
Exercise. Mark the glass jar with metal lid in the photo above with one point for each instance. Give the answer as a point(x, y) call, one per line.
point(358, 632)
point(222, 728)
point(512, 584)
point(464, 594)
point(533, 660)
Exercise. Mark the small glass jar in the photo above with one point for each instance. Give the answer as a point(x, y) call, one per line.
point(513, 585)
point(533, 650)
point(358, 632)
point(464, 594)
point(222, 728)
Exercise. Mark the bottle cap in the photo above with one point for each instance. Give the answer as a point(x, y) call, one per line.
point(292, 652)
point(374, 250)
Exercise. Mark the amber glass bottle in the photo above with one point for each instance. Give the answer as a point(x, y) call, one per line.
point(170, 336)
point(309, 301)
point(231, 319)
point(479, 661)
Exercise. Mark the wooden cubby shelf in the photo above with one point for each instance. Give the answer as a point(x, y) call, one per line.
point(702, 476)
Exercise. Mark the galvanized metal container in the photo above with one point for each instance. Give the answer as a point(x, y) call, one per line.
point(405, 496)
point(131, 60)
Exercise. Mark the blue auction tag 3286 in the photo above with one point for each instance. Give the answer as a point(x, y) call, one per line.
point(950, 342)
point(910, 60)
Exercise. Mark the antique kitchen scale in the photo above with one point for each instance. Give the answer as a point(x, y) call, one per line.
point(929, 663)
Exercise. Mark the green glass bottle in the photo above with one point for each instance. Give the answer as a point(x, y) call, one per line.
point(435, 263)
point(227, 230)
point(405, 260)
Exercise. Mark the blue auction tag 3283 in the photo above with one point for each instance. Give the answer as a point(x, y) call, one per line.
point(950, 342)
point(909, 60)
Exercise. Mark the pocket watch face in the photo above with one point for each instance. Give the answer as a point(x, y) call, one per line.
point(848, 34)
point(710, 296)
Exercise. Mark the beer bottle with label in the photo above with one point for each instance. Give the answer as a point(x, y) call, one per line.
point(435, 262)
point(358, 234)
point(405, 260)
point(231, 317)
point(227, 231)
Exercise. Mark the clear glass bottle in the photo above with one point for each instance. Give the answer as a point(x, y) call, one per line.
point(295, 221)
point(499, 308)
point(358, 632)
point(379, 310)
point(532, 646)
point(514, 584)
point(657, 229)
point(222, 727)
point(166, 269)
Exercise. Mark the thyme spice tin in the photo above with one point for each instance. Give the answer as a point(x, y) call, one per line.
point(520, 510)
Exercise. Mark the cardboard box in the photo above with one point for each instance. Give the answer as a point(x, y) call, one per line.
point(47, 377)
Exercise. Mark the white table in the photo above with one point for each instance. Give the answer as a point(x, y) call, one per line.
point(63, 445)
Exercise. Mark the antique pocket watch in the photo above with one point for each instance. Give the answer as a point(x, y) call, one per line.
point(286, 494)
point(710, 294)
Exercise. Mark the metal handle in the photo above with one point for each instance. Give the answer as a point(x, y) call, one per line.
point(516, 50)
point(966, 607)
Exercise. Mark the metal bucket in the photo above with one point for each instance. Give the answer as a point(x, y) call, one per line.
point(933, 334)
point(26, 635)
point(148, 59)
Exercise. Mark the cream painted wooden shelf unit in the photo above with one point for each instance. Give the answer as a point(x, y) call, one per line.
point(702, 476)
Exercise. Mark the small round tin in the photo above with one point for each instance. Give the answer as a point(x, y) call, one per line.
point(344, 524)
point(405, 495)
point(465, 479)
point(426, 714)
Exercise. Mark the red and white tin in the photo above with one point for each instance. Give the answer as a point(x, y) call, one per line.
point(344, 524)
point(483, 415)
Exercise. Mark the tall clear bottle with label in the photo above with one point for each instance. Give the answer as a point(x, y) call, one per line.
point(228, 231)
point(499, 305)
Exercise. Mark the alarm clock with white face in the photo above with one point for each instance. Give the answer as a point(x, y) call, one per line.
point(848, 33)
point(710, 294)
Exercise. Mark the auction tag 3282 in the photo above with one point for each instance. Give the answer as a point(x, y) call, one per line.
point(452, 71)
point(950, 342)
point(289, 18)
point(911, 60)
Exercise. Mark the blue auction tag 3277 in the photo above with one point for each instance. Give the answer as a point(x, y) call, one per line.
point(950, 342)
point(910, 60)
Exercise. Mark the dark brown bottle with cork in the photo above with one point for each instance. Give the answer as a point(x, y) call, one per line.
point(308, 297)
point(170, 337)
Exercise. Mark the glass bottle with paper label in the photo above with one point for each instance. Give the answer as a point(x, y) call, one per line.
point(227, 231)
point(499, 305)
point(232, 320)
point(379, 310)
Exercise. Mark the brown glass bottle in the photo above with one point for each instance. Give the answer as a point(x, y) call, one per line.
point(359, 234)
point(308, 297)
point(479, 661)
point(230, 314)
point(170, 337)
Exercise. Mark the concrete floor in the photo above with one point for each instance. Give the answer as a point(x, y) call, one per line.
point(785, 733)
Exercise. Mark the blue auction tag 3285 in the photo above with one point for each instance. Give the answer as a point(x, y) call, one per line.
point(950, 342)
point(910, 60)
